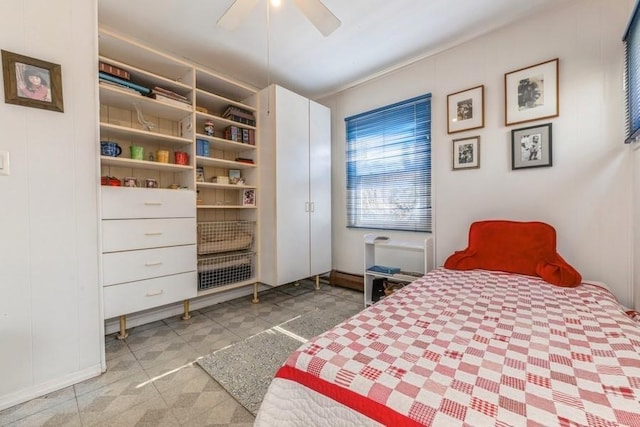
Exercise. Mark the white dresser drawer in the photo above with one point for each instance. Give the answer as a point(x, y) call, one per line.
point(132, 234)
point(128, 266)
point(124, 202)
point(136, 296)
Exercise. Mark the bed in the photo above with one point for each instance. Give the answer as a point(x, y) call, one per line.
point(473, 343)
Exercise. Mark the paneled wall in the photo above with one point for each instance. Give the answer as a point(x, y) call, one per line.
point(50, 314)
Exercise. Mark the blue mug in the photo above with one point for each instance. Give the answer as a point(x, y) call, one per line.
point(108, 148)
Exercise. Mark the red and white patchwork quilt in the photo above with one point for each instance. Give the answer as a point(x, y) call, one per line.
point(473, 348)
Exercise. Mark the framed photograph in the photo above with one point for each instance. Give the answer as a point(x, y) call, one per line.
point(32, 82)
point(465, 110)
point(200, 174)
point(466, 153)
point(531, 147)
point(249, 197)
point(234, 176)
point(532, 93)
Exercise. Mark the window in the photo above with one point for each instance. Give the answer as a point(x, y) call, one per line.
point(632, 75)
point(389, 167)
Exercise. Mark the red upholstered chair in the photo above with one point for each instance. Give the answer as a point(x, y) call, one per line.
point(516, 247)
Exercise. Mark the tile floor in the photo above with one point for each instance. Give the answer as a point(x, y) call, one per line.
point(152, 378)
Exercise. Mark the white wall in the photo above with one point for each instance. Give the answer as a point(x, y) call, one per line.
point(585, 195)
point(50, 315)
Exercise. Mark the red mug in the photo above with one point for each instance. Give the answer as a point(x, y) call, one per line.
point(182, 158)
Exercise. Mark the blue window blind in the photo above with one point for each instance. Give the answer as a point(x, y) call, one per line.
point(389, 167)
point(632, 75)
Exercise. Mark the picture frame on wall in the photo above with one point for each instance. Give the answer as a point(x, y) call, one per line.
point(466, 153)
point(249, 197)
point(531, 147)
point(531, 93)
point(32, 82)
point(465, 110)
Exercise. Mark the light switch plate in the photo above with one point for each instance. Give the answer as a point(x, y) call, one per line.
point(4, 163)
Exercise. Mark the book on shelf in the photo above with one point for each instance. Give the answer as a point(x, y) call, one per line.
point(114, 71)
point(233, 133)
point(239, 119)
point(245, 160)
point(166, 92)
point(384, 269)
point(119, 86)
point(169, 100)
point(238, 134)
point(237, 111)
point(108, 77)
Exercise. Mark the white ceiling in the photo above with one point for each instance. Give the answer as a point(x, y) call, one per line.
point(375, 36)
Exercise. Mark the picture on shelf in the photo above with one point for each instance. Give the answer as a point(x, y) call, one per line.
point(249, 197)
point(234, 176)
point(200, 174)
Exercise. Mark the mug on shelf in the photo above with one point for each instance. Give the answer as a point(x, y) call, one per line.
point(151, 183)
point(137, 152)
point(108, 148)
point(181, 158)
point(130, 181)
point(162, 156)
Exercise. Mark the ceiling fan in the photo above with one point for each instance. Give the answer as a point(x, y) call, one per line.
point(321, 17)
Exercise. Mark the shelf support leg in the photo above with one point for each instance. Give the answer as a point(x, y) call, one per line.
point(123, 334)
point(186, 315)
point(255, 299)
point(317, 287)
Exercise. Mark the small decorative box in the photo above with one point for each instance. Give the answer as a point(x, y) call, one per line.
point(220, 179)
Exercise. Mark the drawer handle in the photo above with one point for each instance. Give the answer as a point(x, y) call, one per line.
point(153, 233)
point(153, 294)
point(153, 203)
point(151, 264)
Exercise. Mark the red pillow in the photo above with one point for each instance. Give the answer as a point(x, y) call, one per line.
point(516, 247)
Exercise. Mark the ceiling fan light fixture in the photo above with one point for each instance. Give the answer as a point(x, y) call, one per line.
point(315, 11)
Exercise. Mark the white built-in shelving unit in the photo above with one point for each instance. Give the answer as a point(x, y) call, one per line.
point(155, 268)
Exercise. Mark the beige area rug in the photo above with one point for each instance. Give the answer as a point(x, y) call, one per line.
point(245, 369)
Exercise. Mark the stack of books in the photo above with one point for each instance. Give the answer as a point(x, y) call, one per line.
point(122, 83)
point(169, 97)
point(239, 115)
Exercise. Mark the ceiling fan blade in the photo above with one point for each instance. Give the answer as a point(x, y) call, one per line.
point(236, 13)
point(321, 17)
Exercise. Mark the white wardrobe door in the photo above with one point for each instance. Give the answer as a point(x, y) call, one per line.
point(292, 182)
point(320, 187)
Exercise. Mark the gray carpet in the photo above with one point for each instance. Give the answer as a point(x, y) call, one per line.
point(245, 369)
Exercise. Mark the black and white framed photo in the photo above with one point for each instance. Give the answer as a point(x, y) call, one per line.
point(249, 197)
point(32, 82)
point(531, 93)
point(466, 153)
point(531, 147)
point(465, 110)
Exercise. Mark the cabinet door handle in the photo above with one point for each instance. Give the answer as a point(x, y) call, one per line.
point(153, 203)
point(153, 233)
point(312, 207)
point(153, 294)
point(152, 264)
point(306, 206)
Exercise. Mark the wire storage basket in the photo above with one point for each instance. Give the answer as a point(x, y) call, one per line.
point(220, 270)
point(225, 236)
